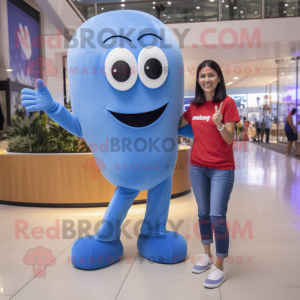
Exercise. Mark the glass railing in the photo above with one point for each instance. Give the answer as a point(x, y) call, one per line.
point(241, 9)
point(184, 11)
point(282, 9)
point(167, 11)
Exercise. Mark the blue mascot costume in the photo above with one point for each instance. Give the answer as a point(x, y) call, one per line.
point(126, 84)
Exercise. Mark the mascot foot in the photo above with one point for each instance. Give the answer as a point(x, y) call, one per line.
point(169, 248)
point(89, 253)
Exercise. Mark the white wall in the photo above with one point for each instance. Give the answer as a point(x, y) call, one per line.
point(279, 37)
point(4, 48)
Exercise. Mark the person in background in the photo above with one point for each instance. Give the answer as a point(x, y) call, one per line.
point(159, 9)
point(258, 129)
point(267, 121)
point(290, 132)
point(239, 133)
point(246, 126)
point(262, 128)
point(254, 126)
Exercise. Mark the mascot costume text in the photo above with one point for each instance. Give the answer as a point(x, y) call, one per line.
point(126, 82)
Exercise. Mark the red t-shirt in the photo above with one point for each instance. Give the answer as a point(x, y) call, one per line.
point(209, 148)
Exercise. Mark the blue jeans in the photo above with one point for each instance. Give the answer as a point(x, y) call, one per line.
point(212, 189)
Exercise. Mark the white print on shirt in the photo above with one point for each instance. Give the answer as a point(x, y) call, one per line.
point(205, 118)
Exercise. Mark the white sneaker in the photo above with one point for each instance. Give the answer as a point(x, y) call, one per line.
point(215, 278)
point(203, 264)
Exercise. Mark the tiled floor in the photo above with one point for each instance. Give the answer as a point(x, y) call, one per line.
point(263, 260)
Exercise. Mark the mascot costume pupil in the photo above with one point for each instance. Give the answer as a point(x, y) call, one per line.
point(127, 99)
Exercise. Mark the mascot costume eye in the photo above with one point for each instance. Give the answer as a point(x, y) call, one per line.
point(126, 87)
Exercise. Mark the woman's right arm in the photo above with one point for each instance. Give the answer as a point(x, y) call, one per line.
point(183, 122)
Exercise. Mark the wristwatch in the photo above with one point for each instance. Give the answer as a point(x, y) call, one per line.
point(223, 126)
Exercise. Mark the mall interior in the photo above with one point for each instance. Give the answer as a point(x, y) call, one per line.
point(55, 193)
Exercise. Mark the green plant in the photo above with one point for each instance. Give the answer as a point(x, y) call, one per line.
point(29, 135)
point(35, 135)
point(61, 140)
point(2, 136)
point(68, 105)
point(82, 146)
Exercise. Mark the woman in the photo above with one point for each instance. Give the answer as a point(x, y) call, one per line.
point(213, 116)
point(290, 132)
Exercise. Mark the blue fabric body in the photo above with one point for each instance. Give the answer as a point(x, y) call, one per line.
point(93, 97)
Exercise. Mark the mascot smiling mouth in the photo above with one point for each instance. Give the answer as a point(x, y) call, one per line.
point(140, 120)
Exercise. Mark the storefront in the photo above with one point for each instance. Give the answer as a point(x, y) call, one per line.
point(24, 58)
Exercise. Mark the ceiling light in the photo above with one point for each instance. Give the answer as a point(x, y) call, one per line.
point(168, 17)
point(226, 5)
point(211, 0)
point(234, 7)
point(169, 3)
point(164, 15)
point(235, 78)
point(229, 83)
point(122, 5)
point(256, 12)
point(198, 7)
point(286, 4)
point(191, 19)
point(102, 8)
point(153, 7)
point(9, 70)
point(241, 11)
point(284, 12)
point(153, 2)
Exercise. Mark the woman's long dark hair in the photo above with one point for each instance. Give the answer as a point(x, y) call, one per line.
point(220, 92)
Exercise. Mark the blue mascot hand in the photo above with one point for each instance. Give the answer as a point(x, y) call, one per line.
point(186, 131)
point(37, 100)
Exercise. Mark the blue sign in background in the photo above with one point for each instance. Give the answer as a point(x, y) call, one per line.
point(187, 102)
point(20, 56)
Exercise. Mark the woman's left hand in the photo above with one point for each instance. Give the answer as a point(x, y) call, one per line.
point(217, 116)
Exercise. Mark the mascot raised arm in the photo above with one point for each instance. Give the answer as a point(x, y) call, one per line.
point(126, 82)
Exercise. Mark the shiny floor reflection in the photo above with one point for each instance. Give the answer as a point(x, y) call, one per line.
point(263, 262)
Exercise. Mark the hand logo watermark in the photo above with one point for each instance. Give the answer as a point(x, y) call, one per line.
point(41, 67)
point(94, 165)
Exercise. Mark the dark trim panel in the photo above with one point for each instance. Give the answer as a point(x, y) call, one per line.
point(79, 205)
point(30, 11)
point(11, 86)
